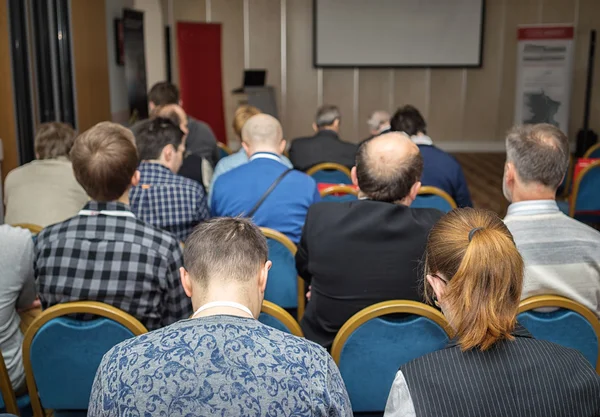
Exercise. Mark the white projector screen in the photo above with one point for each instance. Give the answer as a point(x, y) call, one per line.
point(398, 33)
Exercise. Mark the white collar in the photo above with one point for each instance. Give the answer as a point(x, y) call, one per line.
point(114, 213)
point(421, 140)
point(230, 304)
point(265, 155)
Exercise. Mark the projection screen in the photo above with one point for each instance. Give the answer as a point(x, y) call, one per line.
point(398, 33)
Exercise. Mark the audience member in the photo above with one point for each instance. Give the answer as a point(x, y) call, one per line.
point(242, 114)
point(201, 140)
point(379, 123)
point(440, 169)
point(163, 198)
point(325, 145)
point(358, 253)
point(17, 291)
point(265, 189)
point(562, 255)
point(45, 191)
point(105, 254)
point(222, 361)
point(493, 366)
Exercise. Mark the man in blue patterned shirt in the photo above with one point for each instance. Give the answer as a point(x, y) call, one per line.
point(222, 361)
point(105, 253)
point(163, 198)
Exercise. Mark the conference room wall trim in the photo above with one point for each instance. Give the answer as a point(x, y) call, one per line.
point(470, 106)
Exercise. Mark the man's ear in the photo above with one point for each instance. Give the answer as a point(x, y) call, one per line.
point(264, 276)
point(282, 146)
point(186, 282)
point(315, 128)
point(246, 148)
point(354, 177)
point(336, 124)
point(168, 152)
point(414, 190)
point(509, 169)
point(135, 180)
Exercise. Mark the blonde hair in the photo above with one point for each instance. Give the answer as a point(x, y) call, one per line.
point(241, 116)
point(475, 251)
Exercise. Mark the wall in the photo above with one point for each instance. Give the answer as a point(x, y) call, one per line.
point(7, 112)
point(119, 102)
point(154, 38)
point(466, 109)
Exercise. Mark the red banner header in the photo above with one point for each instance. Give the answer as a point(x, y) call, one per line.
point(546, 32)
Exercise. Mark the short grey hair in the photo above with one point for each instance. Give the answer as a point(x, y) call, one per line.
point(326, 115)
point(540, 153)
point(226, 249)
point(378, 118)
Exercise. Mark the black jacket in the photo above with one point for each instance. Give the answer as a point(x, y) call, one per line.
point(358, 253)
point(325, 146)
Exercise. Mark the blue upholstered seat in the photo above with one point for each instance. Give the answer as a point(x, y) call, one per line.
point(587, 199)
point(65, 354)
point(271, 321)
point(372, 354)
point(23, 403)
point(282, 285)
point(331, 177)
point(563, 327)
point(432, 201)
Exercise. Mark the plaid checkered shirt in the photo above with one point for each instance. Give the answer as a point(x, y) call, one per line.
point(168, 201)
point(110, 256)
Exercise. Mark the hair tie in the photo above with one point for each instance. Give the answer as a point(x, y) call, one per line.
point(472, 232)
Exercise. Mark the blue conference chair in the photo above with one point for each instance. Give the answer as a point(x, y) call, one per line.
point(432, 197)
point(585, 203)
point(571, 325)
point(9, 403)
point(564, 189)
point(339, 193)
point(61, 354)
point(330, 173)
point(593, 152)
point(224, 150)
point(284, 287)
point(274, 316)
point(370, 348)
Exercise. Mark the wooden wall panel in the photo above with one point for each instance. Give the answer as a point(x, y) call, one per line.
point(302, 98)
point(446, 104)
point(90, 58)
point(8, 130)
point(183, 11)
point(411, 86)
point(373, 94)
point(338, 89)
point(230, 13)
point(265, 41)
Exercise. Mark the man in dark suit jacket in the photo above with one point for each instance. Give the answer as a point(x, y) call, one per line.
point(325, 145)
point(355, 254)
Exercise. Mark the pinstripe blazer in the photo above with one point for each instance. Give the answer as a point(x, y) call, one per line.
point(524, 377)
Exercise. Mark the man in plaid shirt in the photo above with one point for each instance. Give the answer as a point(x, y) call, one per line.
point(163, 198)
point(104, 253)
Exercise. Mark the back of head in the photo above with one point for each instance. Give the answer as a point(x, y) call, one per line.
point(154, 134)
point(409, 120)
point(539, 153)
point(241, 116)
point(326, 116)
point(53, 140)
point(163, 93)
point(378, 119)
point(262, 132)
point(104, 160)
point(173, 112)
point(475, 252)
point(387, 167)
point(225, 250)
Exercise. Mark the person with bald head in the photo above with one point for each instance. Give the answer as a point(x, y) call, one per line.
point(265, 189)
point(357, 253)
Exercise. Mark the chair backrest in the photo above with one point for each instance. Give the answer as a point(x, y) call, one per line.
point(585, 195)
point(224, 150)
point(8, 401)
point(61, 355)
point(339, 193)
point(370, 348)
point(593, 152)
point(571, 325)
point(330, 173)
point(274, 316)
point(33, 228)
point(432, 197)
point(284, 287)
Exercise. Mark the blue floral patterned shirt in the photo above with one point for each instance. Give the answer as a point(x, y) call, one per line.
point(218, 366)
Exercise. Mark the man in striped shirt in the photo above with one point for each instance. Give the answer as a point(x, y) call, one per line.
point(562, 255)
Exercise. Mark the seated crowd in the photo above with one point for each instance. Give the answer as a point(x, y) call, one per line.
point(126, 217)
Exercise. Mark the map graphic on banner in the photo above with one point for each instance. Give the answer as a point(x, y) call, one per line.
point(544, 73)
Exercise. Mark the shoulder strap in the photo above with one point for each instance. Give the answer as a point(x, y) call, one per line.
point(262, 199)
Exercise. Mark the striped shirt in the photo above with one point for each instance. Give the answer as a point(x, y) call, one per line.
point(562, 255)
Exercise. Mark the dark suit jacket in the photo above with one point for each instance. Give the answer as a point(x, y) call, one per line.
point(325, 146)
point(358, 253)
